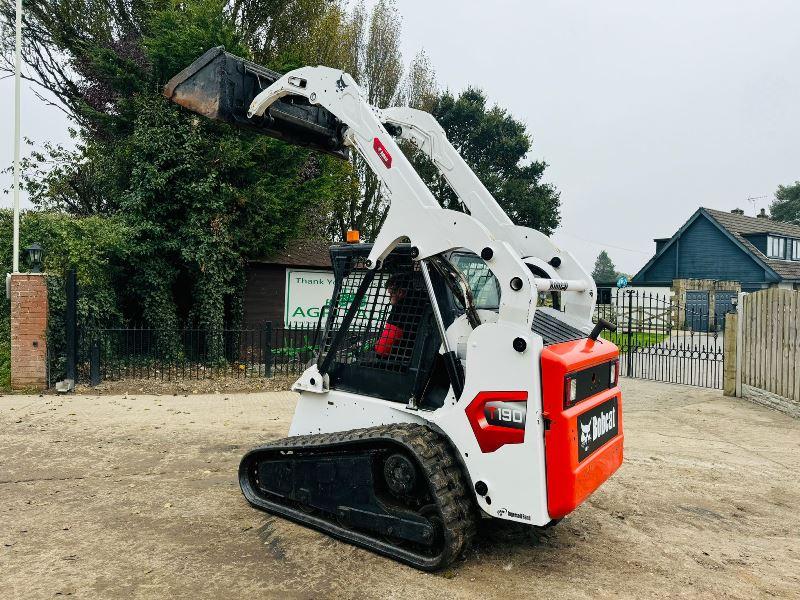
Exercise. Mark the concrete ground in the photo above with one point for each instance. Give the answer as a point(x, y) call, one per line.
point(136, 497)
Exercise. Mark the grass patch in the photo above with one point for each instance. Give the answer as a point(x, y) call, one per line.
point(638, 339)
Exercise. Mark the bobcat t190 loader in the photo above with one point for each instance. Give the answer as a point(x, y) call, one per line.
point(441, 393)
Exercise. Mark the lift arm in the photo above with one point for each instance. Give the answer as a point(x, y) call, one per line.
point(413, 211)
point(225, 87)
point(564, 273)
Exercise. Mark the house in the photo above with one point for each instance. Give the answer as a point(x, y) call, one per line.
point(289, 287)
point(716, 254)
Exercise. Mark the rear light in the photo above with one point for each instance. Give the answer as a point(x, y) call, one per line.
point(583, 384)
point(570, 391)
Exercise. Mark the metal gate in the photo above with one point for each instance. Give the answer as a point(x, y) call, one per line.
point(661, 339)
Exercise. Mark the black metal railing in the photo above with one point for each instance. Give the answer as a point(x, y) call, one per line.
point(141, 353)
point(659, 338)
point(664, 339)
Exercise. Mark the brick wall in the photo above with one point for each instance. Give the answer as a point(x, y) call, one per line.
point(28, 328)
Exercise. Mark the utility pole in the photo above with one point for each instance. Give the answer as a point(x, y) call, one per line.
point(17, 85)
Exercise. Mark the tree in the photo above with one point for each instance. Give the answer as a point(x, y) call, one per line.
point(786, 206)
point(196, 197)
point(419, 89)
point(604, 269)
point(377, 66)
point(495, 145)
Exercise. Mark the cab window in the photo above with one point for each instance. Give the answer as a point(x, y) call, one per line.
point(484, 285)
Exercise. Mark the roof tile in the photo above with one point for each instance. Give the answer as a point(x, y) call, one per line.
point(741, 225)
point(301, 253)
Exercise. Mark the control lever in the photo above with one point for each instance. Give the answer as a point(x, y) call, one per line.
point(598, 329)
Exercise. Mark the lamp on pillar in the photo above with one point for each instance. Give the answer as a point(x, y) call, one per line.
point(35, 257)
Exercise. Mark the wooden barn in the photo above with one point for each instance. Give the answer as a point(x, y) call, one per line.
point(288, 287)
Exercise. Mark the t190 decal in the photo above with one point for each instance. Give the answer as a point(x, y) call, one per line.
point(506, 414)
point(498, 418)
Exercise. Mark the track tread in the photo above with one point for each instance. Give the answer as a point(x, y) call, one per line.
point(446, 479)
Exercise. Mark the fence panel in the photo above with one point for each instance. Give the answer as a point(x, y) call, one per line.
point(659, 338)
point(141, 353)
point(663, 339)
point(770, 334)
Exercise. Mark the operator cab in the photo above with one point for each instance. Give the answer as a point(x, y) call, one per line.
point(390, 348)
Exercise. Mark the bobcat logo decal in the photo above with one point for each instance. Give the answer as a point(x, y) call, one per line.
point(586, 434)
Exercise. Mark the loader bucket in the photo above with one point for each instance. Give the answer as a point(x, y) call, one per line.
point(221, 86)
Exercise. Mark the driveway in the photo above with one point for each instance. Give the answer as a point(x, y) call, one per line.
point(136, 497)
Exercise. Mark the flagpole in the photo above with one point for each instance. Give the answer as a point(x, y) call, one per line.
point(17, 84)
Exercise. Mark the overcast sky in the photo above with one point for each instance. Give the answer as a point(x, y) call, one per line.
point(644, 110)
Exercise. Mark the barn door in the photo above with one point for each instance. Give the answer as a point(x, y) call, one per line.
point(722, 306)
point(697, 311)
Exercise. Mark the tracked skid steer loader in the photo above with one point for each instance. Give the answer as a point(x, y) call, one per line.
point(443, 391)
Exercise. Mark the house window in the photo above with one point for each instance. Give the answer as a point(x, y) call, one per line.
point(795, 249)
point(776, 247)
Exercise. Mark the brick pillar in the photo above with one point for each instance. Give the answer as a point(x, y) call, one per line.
point(28, 328)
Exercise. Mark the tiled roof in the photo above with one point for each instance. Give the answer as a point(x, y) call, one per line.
point(743, 224)
point(740, 225)
point(301, 253)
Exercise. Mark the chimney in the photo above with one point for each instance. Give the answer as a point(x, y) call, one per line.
point(737, 211)
point(763, 214)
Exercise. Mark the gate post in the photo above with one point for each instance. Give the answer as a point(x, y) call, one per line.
point(28, 293)
point(94, 363)
point(730, 353)
point(739, 340)
point(268, 349)
point(630, 333)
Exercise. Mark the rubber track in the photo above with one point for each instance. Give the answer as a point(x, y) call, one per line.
point(447, 485)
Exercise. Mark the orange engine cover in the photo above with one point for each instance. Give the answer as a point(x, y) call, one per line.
point(583, 439)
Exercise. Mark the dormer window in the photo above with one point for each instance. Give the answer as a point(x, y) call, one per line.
point(795, 249)
point(776, 247)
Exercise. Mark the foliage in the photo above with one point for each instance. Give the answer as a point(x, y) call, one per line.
point(495, 145)
point(96, 246)
point(604, 269)
point(78, 181)
point(196, 197)
point(786, 206)
point(376, 64)
point(419, 89)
